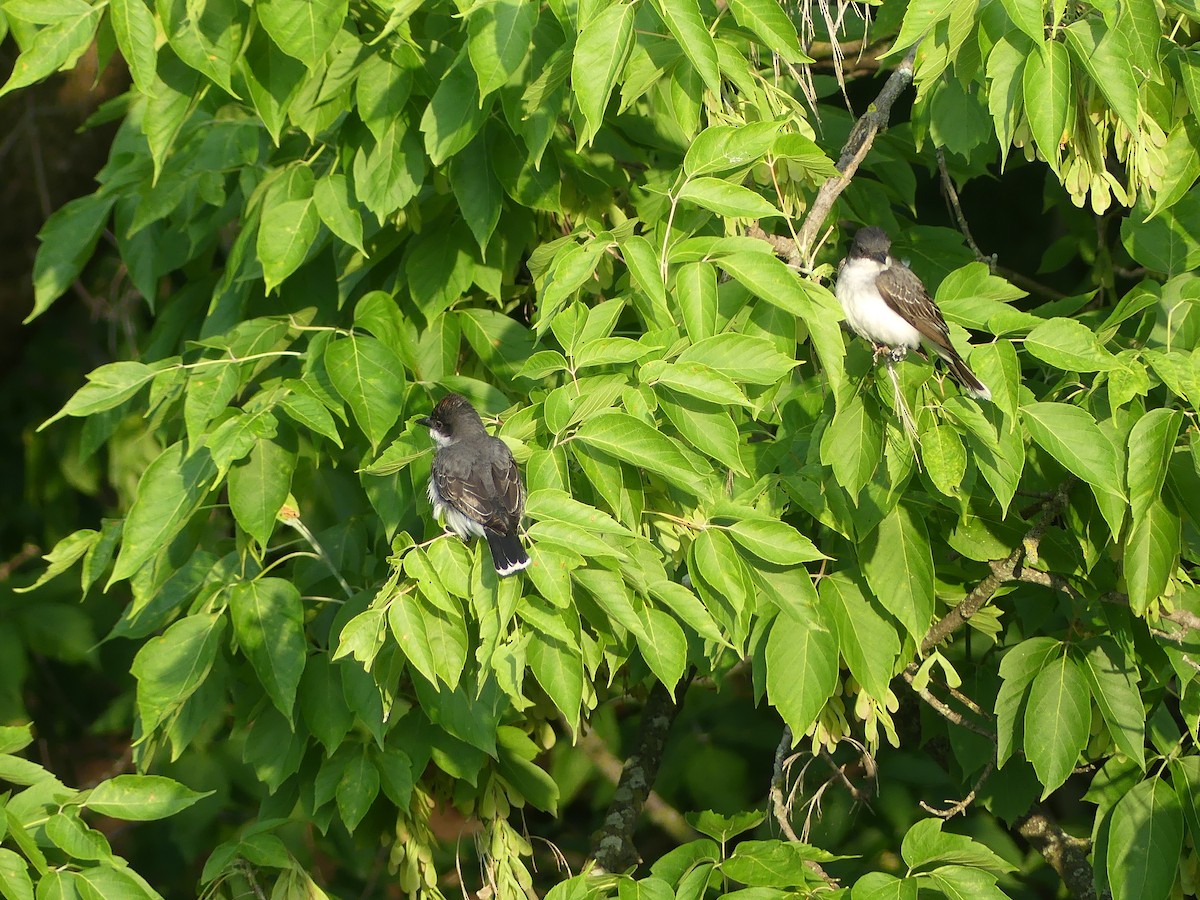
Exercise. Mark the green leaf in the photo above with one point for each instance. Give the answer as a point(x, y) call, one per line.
point(15, 883)
point(1113, 680)
point(1018, 668)
point(68, 240)
point(303, 29)
point(1151, 554)
point(54, 47)
point(774, 28)
point(740, 357)
point(1071, 436)
point(499, 36)
point(601, 50)
point(170, 491)
point(370, 378)
point(663, 646)
point(706, 427)
point(919, 19)
point(1151, 443)
point(696, 380)
point(685, 22)
point(770, 278)
point(272, 78)
point(141, 798)
point(771, 863)
point(925, 844)
point(1057, 719)
point(881, 886)
point(433, 640)
point(776, 542)
point(1169, 242)
point(945, 459)
point(1099, 49)
point(624, 437)
point(1070, 345)
point(853, 445)
point(898, 566)
point(258, 486)
point(724, 148)
point(170, 668)
point(1047, 91)
point(133, 25)
point(869, 642)
point(108, 387)
point(1005, 71)
point(389, 174)
point(268, 622)
point(535, 786)
point(802, 669)
point(962, 883)
point(559, 671)
point(476, 187)
point(75, 839)
point(1144, 843)
point(727, 198)
point(696, 294)
point(1028, 15)
point(285, 236)
point(332, 199)
point(560, 506)
point(357, 789)
point(455, 113)
point(64, 555)
point(322, 702)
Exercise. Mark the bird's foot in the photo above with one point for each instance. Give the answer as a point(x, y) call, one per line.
point(898, 353)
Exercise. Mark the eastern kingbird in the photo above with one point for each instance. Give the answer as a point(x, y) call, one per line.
point(474, 484)
point(886, 303)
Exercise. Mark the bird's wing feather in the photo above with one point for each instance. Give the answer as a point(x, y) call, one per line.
point(903, 291)
point(488, 494)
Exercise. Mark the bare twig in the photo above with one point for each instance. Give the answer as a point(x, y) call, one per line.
point(26, 553)
point(952, 716)
point(874, 120)
point(1002, 571)
point(1025, 283)
point(961, 806)
point(780, 806)
point(952, 198)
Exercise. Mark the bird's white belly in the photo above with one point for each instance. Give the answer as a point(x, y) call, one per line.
point(454, 520)
point(868, 313)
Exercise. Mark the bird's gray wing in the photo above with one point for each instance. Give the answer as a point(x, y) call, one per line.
point(903, 291)
point(510, 492)
point(486, 489)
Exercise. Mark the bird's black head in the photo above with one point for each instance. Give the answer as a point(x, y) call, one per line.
point(871, 242)
point(452, 419)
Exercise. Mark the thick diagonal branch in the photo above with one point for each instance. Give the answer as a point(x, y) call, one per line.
point(612, 846)
point(1067, 855)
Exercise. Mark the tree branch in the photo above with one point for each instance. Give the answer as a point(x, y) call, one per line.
point(658, 811)
point(874, 120)
point(1067, 855)
point(1002, 571)
point(612, 846)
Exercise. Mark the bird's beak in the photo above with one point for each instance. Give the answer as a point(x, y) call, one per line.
point(426, 421)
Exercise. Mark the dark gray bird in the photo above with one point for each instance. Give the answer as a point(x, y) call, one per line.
point(474, 484)
point(886, 303)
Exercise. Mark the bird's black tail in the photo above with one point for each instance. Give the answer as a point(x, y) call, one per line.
point(508, 555)
point(962, 373)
